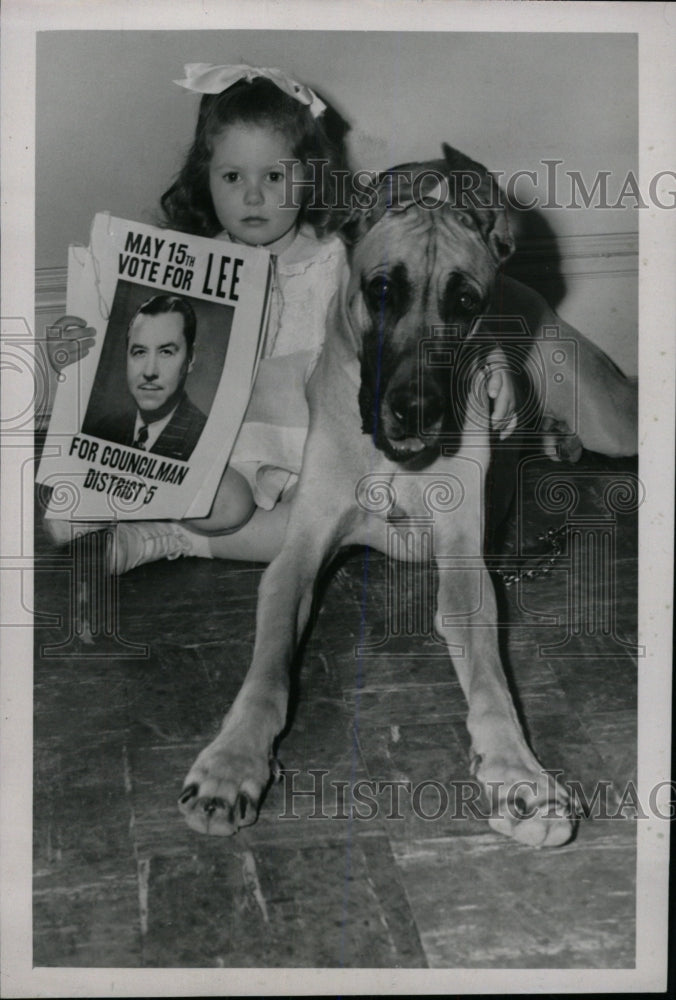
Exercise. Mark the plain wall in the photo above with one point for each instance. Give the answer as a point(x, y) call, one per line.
point(112, 128)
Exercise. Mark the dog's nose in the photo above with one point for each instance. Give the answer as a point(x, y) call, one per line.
point(415, 413)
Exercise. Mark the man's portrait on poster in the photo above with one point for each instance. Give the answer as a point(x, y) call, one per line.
point(146, 402)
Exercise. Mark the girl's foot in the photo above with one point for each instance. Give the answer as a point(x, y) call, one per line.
point(138, 542)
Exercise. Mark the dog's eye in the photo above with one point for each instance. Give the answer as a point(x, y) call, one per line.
point(379, 287)
point(468, 302)
point(387, 292)
point(378, 290)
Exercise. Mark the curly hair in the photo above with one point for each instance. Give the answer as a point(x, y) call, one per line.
point(187, 205)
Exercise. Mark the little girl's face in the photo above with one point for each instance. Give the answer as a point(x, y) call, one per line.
point(249, 186)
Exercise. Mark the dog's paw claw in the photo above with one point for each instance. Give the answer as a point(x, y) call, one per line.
point(475, 763)
point(539, 815)
point(188, 793)
point(224, 788)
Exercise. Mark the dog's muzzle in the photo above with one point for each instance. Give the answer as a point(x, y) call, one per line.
point(406, 410)
point(412, 417)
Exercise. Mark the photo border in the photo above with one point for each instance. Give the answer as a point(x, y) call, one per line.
point(657, 255)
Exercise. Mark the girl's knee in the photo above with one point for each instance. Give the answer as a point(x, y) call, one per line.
point(232, 508)
point(240, 506)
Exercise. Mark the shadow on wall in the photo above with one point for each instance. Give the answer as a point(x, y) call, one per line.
point(537, 260)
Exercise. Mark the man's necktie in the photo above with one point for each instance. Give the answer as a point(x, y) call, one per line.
point(142, 437)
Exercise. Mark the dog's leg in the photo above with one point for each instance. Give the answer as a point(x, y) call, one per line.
point(223, 790)
point(526, 803)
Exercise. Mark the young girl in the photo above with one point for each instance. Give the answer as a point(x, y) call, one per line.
point(237, 184)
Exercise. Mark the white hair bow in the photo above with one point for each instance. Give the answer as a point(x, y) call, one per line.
point(203, 78)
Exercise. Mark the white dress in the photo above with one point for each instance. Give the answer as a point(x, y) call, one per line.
point(269, 448)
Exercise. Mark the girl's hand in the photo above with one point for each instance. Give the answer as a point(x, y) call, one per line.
point(68, 341)
point(501, 388)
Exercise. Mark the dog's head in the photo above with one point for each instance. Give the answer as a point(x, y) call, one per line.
point(425, 246)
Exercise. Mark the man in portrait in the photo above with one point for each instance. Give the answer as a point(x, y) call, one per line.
point(160, 354)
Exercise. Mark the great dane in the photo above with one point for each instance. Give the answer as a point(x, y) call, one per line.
point(388, 440)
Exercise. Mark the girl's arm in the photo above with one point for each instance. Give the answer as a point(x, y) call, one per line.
point(501, 387)
point(68, 341)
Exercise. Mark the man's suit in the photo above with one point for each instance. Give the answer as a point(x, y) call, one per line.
point(177, 440)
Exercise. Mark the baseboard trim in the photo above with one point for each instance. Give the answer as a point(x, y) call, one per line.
point(589, 255)
point(50, 288)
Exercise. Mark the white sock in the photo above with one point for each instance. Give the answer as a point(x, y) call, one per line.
point(199, 544)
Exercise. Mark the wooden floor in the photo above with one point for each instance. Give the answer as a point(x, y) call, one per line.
point(119, 879)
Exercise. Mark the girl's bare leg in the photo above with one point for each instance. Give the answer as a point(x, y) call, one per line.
point(259, 540)
point(232, 507)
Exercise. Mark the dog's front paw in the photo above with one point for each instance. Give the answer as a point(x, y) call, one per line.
point(559, 443)
point(526, 804)
point(224, 787)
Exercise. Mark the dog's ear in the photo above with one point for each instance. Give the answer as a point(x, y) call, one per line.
point(371, 198)
point(354, 224)
point(500, 239)
point(479, 193)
